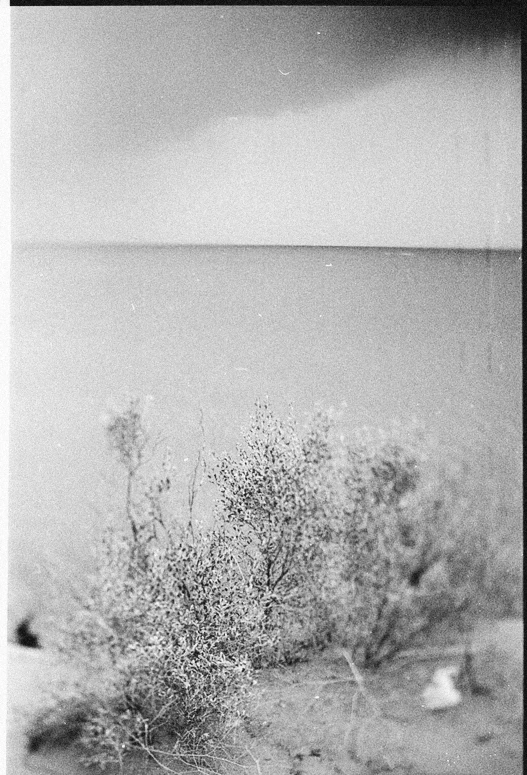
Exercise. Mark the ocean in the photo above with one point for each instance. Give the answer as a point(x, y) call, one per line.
point(375, 333)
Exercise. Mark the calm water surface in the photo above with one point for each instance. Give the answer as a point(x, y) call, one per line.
point(376, 333)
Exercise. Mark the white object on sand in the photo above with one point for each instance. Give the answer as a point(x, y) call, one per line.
point(441, 692)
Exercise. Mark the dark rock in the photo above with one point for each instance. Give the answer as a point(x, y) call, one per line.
point(24, 636)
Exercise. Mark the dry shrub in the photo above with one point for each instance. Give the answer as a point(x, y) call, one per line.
point(370, 543)
point(315, 540)
point(172, 642)
point(425, 547)
point(375, 475)
point(276, 499)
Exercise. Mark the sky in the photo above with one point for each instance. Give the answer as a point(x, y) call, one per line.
point(313, 125)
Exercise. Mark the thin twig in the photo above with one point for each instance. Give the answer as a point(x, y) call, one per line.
point(322, 683)
point(355, 725)
point(151, 753)
point(430, 653)
point(256, 761)
point(358, 678)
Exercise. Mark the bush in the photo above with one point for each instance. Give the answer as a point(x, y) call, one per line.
point(325, 522)
point(163, 634)
point(423, 547)
point(375, 476)
point(366, 543)
point(172, 642)
point(459, 552)
point(371, 543)
point(276, 500)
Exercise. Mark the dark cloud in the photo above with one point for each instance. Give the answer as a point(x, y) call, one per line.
point(444, 26)
point(102, 75)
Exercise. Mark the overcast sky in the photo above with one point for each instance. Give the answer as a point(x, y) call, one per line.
point(333, 125)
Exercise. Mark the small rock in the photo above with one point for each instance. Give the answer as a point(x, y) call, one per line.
point(441, 692)
point(25, 637)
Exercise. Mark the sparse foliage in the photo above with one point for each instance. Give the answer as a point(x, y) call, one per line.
point(276, 501)
point(129, 437)
point(173, 642)
point(423, 548)
point(314, 540)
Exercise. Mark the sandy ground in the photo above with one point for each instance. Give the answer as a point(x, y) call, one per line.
point(300, 721)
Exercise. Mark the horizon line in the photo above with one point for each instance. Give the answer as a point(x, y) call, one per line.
point(119, 243)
